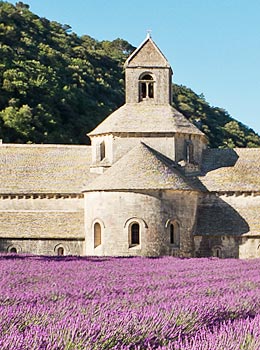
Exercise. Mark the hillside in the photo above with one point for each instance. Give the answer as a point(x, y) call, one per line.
point(222, 130)
point(56, 86)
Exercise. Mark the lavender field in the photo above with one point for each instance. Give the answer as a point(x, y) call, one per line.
point(129, 303)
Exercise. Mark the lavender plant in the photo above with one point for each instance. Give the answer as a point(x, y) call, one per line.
point(69, 303)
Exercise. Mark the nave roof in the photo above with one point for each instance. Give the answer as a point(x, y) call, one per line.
point(26, 169)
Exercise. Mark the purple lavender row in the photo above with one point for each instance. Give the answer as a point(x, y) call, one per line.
point(128, 303)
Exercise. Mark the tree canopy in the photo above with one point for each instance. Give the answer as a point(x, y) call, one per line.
point(56, 86)
point(222, 130)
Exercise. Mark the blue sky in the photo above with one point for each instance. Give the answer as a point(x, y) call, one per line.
point(212, 46)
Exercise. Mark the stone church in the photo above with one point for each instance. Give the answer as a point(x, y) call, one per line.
point(147, 186)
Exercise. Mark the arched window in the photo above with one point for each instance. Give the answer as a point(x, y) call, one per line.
point(189, 152)
point(175, 234)
point(60, 251)
point(146, 86)
point(13, 250)
point(217, 252)
point(172, 234)
point(102, 150)
point(97, 234)
point(135, 234)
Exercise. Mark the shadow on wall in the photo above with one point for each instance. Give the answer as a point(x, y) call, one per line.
point(218, 158)
point(217, 221)
point(8, 246)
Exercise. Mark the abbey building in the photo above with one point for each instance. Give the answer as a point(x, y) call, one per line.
point(148, 185)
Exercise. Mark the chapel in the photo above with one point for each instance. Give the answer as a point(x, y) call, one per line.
point(148, 185)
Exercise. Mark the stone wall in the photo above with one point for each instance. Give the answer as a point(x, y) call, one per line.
point(229, 222)
point(152, 210)
point(218, 246)
point(180, 147)
point(39, 223)
point(42, 246)
point(163, 144)
point(249, 247)
point(162, 85)
point(38, 202)
point(95, 145)
point(247, 206)
point(170, 145)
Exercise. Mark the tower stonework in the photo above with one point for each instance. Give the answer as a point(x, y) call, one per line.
point(148, 75)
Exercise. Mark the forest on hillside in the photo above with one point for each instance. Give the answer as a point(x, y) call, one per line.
point(56, 86)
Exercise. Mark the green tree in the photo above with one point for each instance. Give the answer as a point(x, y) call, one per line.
point(220, 128)
point(19, 119)
point(56, 86)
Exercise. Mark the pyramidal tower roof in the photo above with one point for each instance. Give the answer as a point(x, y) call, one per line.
point(142, 168)
point(148, 106)
point(145, 118)
point(149, 50)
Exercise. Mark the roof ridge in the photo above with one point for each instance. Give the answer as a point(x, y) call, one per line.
point(41, 145)
point(139, 48)
point(160, 156)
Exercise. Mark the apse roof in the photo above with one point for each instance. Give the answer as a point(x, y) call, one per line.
point(143, 168)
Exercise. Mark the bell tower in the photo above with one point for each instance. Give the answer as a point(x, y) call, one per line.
point(148, 75)
point(147, 116)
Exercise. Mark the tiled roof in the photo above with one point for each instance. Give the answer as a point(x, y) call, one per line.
point(143, 168)
point(219, 218)
point(220, 215)
point(44, 168)
point(145, 118)
point(235, 170)
point(42, 224)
